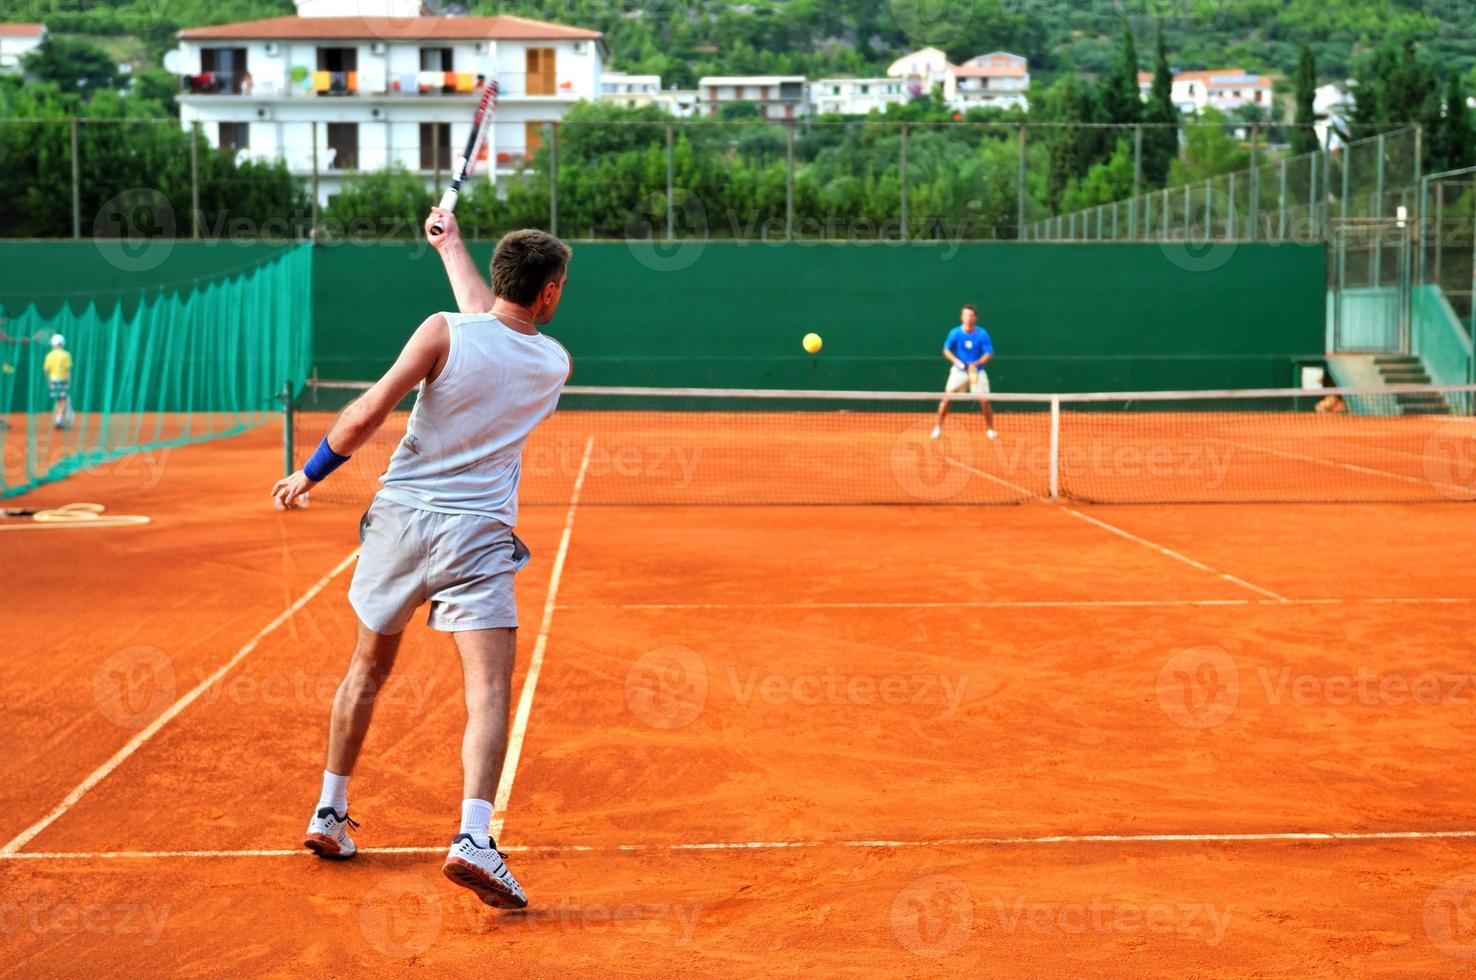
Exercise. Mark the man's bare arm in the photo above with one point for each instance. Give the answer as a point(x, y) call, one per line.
point(472, 293)
point(423, 359)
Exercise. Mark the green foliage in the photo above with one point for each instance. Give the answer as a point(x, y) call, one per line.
point(1161, 140)
point(1119, 96)
point(1104, 183)
point(1209, 151)
point(75, 66)
point(1304, 137)
point(391, 202)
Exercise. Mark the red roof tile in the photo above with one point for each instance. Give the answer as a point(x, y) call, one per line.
point(500, 28)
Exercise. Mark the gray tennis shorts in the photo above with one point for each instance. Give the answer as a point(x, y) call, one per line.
point(461, 564)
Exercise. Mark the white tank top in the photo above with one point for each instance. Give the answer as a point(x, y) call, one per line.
point(463, 446)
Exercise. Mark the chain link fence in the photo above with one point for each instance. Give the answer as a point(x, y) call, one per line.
point(744, 180)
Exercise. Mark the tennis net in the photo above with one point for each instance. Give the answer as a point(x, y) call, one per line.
point(706, 446)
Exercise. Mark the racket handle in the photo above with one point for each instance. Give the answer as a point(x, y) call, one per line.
point(448, 203)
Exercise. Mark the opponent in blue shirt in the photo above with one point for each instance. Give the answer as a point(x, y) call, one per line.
point(968, 348)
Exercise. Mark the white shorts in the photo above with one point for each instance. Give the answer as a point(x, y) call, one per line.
point(958, 380)
point(462, 564)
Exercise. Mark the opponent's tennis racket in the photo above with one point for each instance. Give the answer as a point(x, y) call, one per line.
point(973, 372)
point(468, 161)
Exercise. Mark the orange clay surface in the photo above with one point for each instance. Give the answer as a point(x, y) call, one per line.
point(909, 729)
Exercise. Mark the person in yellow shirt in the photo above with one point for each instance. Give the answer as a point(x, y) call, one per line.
point(58, 368)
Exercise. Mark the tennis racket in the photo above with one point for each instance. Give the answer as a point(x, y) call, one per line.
point(468, 161)
point(973, 371)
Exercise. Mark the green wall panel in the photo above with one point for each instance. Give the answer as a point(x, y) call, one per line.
point(1067, 317)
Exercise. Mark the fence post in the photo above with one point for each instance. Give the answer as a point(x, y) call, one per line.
point(904, 182)
point(1281, 204)
point(1209, 210)
point(553, 178)
point(76, 180)
point(313, 230)
point(1255, 188)
point(1137, 180)
point(789, 190)
point(1020, 185)
point(1188, 206)
point(436, 159)
point(670, 181)
point(1231, 228)
point(195, 179)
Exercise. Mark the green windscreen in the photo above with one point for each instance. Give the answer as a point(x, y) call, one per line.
point(171, 366)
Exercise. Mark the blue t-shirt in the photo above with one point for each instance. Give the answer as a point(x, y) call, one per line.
point(968, 346)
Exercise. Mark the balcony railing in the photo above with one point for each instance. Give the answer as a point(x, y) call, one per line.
point(309, 84)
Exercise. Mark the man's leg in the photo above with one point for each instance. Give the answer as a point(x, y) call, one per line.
point(988, 413)
point(353, 705)
point(486, 667)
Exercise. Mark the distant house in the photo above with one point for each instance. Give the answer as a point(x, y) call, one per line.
point(921, 71)
point(1332, 108)
point(1225, 89)
point(17, 41)
point(856, 96)
point(631, 91)
point(776, 96)
point(396, 89)
point(998, 79)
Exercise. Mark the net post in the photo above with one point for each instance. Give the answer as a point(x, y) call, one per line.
point(289, 449)
point(1055, 448)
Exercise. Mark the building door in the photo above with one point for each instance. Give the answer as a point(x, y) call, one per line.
point(542, 76)
point(435, 146)
point(343, 140)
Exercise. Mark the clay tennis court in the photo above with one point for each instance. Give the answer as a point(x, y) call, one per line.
point(1029, 740)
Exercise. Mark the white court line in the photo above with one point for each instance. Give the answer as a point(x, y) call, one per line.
point(1036, 603)
point(1250, 838)
point(1131, 537)
point(535, 664)
point(134, 744)
point(1352, 467)
point(1027, 494)
point(1173, 554)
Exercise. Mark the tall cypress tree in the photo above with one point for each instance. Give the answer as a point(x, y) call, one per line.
point(1160, 141)
point(1119, 97)
point(1453, 143)
point(1304, 137)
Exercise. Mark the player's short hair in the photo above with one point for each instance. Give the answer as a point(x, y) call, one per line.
point(524, 261)
point(971, 306)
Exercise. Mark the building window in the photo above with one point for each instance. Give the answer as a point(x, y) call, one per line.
point(435, 146)
point(542, 77)
point(866, 90)
point(338, 71)
point(233, 136)
point(222, 71)
point(437, 60)
point(343, 142)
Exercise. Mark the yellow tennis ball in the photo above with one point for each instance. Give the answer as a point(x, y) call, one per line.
point(7, 368)
point(812, 343)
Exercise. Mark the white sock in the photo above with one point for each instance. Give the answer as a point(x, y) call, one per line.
point(335, 792)
point(476, 816)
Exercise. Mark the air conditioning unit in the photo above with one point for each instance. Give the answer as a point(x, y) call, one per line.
point(272, 49)
point(263, 112)
point(480, 47)
point(580, 47)
point(376, 47)
point(376, 113)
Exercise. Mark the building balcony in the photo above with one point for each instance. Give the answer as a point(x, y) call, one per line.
point(411, 85)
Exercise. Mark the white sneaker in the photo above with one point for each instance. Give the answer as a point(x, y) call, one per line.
point(992, 434)
point(328, 835)
point(482, 870)
point(937, 431)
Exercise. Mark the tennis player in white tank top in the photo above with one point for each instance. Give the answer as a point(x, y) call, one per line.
point(441, 529)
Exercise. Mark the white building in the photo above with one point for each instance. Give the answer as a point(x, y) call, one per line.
point(921, 72)
point(997, 80)
point(17, 41)
point(776, 96)
point(380, 90)
point(684, 103)
point(631, 91)
point(1225, 89)
point(1332, 108)
point(856, 96)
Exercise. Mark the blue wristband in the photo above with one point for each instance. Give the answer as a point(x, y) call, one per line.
point(323, 462)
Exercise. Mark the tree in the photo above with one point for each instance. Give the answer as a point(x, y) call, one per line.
point(1119, 96)
point(1396, 87)
point(1452, 142)
point(1105, 183)
point(1160, 141)
point(75, 66)
point(1304, 137)
point(1209, 151)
